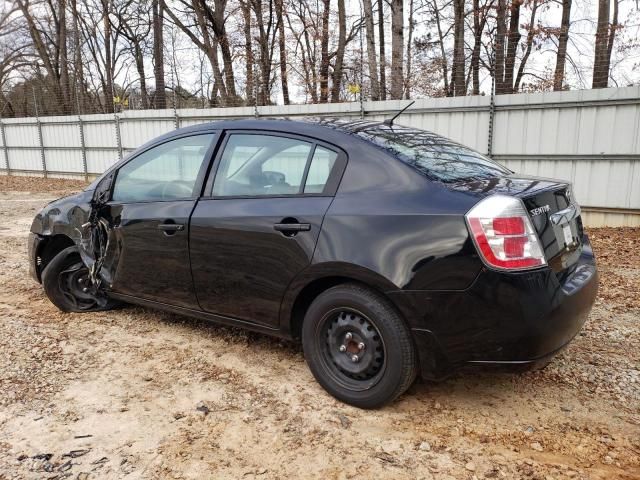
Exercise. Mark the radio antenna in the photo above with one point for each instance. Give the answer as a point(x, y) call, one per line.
point(389, 121)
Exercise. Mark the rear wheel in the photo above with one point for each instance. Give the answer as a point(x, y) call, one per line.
point(357, 346)
point(66, 282)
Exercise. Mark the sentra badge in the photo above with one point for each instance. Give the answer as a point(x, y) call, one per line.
point(539, 210)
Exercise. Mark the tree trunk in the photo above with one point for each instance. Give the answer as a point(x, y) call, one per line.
point(407, 85)
point(458, 67)
point(109, 93)
point(525, 57)
point(283, 53)
point(42, 49)
point(227, 59)
point(601, 63)
point(64, 61)
point(612, 36)
point(397, 48)
point(443, 63)
point(499, 50)
point(478, 26)
point(336, 78)
point(383, 55)
point(158, 55)
point(371, 50)
point(248, 48)
point(512, 45)
point(78, 77)
point(324, 53)
point(563, 40)
point(139, 58)
point(264, 97)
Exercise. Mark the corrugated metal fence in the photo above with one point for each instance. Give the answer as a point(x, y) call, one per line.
point(590, 137)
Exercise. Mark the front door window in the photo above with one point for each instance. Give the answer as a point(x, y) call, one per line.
point(166, 172)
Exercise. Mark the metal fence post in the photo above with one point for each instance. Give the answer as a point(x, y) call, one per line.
point(4, 147)
point(256, 114)
point(83, 149)
point(40, 140)
point(118, 138)
point(176, 118)
point(492, 114)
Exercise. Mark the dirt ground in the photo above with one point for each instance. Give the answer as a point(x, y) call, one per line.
point(139, 394)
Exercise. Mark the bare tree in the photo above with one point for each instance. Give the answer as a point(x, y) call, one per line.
point(50, 46)
point(513, 39)
point(105, 51)
point(371, 49)
point(479, 23)
point(160, 99)
point(605, 37)
point(132, 20)
point(397, 48)
point(209, 18)
point(532, 30)
point(458, 86)
point(409, 55)
point(267, 26)
point(563, 41)
point(245, 7)
point(383, 55)
point(336, 77)
point(282, 46)
point(13, 53)
point(324, 52)
point(304, 25)
point(501, 31)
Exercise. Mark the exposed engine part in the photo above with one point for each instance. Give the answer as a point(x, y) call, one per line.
point(95, 233)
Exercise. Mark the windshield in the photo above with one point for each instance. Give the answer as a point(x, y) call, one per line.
point(432, 155)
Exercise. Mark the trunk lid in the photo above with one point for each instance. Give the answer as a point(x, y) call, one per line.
point(551, 208)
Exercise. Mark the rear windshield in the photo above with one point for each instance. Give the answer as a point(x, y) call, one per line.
point(434, 156)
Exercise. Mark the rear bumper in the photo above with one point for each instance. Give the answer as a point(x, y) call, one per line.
point(513, 320)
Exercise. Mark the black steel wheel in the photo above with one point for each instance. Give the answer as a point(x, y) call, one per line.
point(352, 349)
point(66, 282)
point(358, 347)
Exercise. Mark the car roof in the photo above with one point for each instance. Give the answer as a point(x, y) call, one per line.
point(333, 130)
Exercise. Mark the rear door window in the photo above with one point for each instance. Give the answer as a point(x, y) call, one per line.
point(271, 165)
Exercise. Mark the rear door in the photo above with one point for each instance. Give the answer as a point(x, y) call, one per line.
point(153, 196)
point(258, 225)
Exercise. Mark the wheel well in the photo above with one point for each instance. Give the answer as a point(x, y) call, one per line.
point(49, 248)
point(309, 293)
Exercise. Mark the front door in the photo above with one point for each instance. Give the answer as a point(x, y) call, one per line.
point(153, 197)
point(259, 225)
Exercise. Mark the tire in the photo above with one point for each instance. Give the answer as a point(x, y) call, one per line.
point(386, 362)
point(63, 280)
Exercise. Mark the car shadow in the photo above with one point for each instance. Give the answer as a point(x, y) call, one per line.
point(478, 384)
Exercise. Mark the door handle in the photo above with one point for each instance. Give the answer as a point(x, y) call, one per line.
point(170, 228)
point(292, 227)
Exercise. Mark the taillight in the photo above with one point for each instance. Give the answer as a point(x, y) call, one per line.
point(503, 234)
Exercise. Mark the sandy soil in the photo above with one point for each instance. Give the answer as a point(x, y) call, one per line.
point(140, 394)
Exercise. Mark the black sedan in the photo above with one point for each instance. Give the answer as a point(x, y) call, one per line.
point(387, 251)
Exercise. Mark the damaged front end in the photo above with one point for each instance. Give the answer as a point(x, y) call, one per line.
point(94, 243)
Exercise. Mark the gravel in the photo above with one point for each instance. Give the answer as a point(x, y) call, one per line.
point(137, 393)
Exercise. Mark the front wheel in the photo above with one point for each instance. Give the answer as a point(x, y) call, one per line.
point(66, 282)
point(358, 347)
